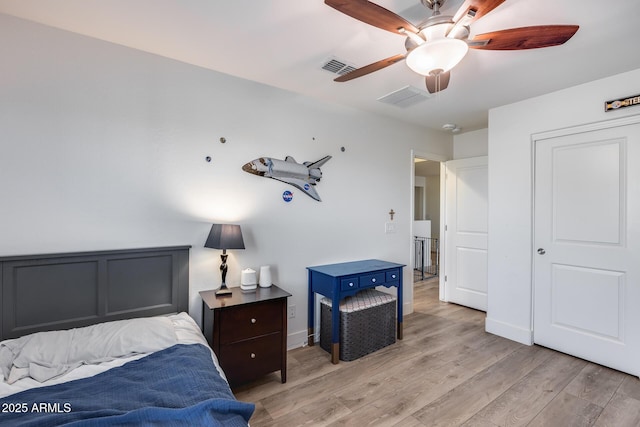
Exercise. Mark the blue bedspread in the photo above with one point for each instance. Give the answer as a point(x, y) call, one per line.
point(178, 386)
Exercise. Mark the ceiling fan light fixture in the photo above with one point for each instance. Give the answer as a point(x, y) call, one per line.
point(436, 27)
point(436, 56)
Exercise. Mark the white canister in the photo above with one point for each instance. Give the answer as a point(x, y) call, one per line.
point(248, 279)
point(265, 276)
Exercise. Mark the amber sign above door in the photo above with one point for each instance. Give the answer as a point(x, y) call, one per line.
point(622, 102)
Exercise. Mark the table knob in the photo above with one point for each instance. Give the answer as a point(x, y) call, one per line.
point(393, 276)
point(351, 284)
point(253, 355)
point(253, 320)
point(373, 280)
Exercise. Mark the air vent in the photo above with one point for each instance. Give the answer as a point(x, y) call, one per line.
point(405, 97)
point(337, 66)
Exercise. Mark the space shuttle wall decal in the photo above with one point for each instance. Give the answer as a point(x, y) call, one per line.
point(301, 175)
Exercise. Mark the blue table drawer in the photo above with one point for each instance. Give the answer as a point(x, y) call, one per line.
point(348, 283)
point(368, 280)
point(392, 275)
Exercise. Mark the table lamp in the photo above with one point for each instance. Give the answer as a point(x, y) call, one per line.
point(224, 236)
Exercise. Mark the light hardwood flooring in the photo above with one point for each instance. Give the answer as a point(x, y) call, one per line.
point(445, 372)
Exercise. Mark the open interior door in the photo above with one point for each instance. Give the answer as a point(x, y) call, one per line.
point(466, 218)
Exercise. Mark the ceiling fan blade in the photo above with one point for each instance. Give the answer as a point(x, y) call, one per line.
point(438, 83)
point(367, 69)
point(473, 10)
point(372, 14)
point(525, 37)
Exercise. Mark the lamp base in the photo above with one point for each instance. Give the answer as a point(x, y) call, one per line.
point(223, 291)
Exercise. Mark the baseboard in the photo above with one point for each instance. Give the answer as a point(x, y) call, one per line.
point(407, 308)
point(297, 339)
point(509, 331)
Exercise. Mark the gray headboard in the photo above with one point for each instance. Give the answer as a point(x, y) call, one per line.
point(62, 291)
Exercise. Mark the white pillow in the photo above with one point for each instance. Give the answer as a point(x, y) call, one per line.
point(46, 355)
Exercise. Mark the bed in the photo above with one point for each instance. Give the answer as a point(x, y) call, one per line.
point(103, 338)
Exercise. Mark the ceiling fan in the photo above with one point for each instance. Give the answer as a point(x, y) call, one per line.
point(438, 44)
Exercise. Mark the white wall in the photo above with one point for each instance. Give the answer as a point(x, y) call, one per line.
point(103, 147)
point(422, 228)
point(510, 189)
point(419, 200)
point(432, 194)
point(471, 144)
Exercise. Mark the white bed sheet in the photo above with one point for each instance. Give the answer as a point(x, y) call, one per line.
point(187, 332)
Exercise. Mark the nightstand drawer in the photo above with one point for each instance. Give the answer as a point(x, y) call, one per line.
point(349, 283)
point(248, 359)
point(250, 320)
point(369, 280)
point(392, 275)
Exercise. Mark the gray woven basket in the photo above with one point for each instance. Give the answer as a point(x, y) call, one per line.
point(369, 327)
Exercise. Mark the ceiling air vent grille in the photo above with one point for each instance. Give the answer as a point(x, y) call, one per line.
point(405, 97)
point(336, 66)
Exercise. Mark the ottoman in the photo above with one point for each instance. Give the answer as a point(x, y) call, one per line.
point(367, 323)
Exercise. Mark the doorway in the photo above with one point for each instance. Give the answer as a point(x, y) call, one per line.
point(426, 219)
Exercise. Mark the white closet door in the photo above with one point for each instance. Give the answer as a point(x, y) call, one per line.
point(587, 245)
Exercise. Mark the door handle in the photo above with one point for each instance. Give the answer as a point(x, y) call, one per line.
point(541, 251)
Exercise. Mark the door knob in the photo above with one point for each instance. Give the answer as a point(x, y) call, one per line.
point(541, 251)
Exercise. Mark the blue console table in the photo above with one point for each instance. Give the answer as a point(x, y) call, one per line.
point(336, 281)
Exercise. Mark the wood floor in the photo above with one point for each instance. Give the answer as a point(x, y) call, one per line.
point(446, 372)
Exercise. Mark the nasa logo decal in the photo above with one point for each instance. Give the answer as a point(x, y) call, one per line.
point(307, 187)
point(287, 196)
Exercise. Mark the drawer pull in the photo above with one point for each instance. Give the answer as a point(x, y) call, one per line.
point(393, 276)
point(351, 284)
point(253, 320)
point(253, 355)
point(373, 280)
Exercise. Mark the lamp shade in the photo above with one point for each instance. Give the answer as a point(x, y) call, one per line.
point(225, 236)
point(436, 56)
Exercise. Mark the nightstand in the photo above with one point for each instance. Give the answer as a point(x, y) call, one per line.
point(247, 331)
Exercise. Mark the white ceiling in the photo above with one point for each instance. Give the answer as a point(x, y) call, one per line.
point(284, 43)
